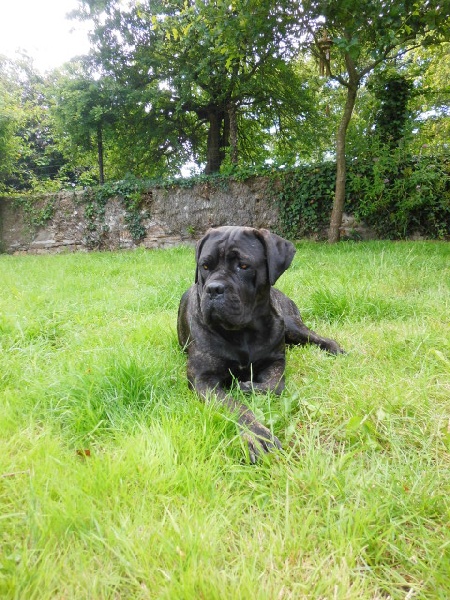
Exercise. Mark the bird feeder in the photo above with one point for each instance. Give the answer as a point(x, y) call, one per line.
point(324, 44)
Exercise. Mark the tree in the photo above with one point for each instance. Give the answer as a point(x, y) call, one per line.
point(430, 68)
point(351, 38)
point(84, 107)
point(202, 65)
point(9, 119)
point(30, 157)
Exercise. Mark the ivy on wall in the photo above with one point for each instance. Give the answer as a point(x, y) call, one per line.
point(397, 196)
point(36, 213)
point(129, 191)
point(304, 197)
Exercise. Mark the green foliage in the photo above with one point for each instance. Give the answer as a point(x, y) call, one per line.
point(430, 69)
point(398, 196)
point(394, 93)
point(359, 37)
point(29, 157)
point(84, 110)
point(371, 32)
point(9, 118)
point(191, 65)
point(161, 72)
point(304, 196)
point(106, 122)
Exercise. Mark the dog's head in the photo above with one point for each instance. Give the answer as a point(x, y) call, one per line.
point(235, 268)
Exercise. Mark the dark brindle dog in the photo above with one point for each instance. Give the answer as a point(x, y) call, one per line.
point(234, 324)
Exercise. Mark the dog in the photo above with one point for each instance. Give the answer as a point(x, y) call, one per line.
point(234, 325)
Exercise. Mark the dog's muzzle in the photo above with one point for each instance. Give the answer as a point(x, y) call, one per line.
point(215, 290)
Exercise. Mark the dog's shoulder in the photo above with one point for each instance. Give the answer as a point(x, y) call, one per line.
point(186, 311)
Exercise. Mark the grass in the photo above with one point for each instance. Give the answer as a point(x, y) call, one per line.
point(116, 482)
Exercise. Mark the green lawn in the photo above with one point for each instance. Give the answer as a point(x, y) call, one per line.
point(116, 482)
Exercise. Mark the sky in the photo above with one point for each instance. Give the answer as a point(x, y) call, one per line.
point(40, 27)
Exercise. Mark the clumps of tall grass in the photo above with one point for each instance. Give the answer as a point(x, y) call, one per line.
point(112, 394)
point(333, 305)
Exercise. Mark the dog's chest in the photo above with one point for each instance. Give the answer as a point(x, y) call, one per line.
point(247, 350)
point(244, 356)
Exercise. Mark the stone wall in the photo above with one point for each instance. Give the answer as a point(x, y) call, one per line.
point(169, 216)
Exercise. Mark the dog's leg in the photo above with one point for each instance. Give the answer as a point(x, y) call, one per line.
point(259, 438)
point(269, 379)
point(297, 333)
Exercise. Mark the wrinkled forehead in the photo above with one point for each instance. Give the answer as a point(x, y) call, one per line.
point(234, 242)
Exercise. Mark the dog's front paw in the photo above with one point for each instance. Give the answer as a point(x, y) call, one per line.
point(246, 386)
point(260, 388)
point(259, 439)
point(332, 347)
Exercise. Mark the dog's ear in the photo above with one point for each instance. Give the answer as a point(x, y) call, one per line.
point(279, 253)
point(198, 249)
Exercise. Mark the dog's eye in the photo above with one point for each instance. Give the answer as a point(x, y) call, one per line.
point(243, 266)
point(205, 267)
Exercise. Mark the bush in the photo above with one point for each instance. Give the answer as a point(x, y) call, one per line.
point(304, 196)
point(397, 196)
point(400, 197)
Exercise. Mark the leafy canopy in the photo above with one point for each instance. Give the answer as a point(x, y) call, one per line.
point(194, 64)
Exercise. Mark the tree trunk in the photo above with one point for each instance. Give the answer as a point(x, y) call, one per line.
point(233, 133)
point(341, 171)
point(213, 151)
point(101, 172)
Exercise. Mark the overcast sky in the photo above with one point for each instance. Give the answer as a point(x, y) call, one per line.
point(40, 27)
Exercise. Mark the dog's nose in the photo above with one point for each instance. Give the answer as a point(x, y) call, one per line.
point(214, 289)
